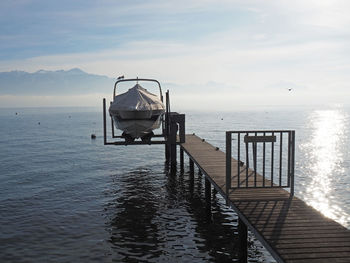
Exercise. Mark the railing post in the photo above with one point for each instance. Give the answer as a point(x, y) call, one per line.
point(293, 164)
point(228, 163)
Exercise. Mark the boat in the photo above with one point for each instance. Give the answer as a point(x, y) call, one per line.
point(137, 112)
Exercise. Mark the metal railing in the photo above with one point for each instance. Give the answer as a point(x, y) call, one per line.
point(269, 163)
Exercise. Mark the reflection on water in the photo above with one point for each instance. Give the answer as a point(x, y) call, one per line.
point(157, 217)
point(133, 222)
point(324, 164)
point(65, 198)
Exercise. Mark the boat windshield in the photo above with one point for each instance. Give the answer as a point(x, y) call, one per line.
point(150, 86)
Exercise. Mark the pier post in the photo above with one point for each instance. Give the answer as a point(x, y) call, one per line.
point(175, 123)
point(191, 167)
point(167, 153)
point(181, 160)
point(191, 175)
point(207, 191)
point(173, 153)
point(208, 199)
point(242, 241)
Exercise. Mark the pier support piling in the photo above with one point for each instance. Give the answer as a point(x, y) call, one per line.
point(167, 155)
point(207, 191)
point(173, 153)
point(175, 123)
point(208, 199)
point(181, 160)
point(191, 175)
point(191, 167)
point(242, 241)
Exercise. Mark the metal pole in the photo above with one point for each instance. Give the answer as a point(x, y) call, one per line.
point(272, 156)
point(167, 115)
point(254, 145)
point(239, 161)
point(228, 163)
point(112, 125)
point(289, 157)
point(104, 122)
point(281, 150)
point(264, 150)
point(247, 162)
point(293, 164)
point(167, 126)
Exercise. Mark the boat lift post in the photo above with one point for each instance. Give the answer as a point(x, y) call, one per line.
point(177, 124)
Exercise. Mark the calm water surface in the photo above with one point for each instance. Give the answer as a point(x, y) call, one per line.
point(65, 197)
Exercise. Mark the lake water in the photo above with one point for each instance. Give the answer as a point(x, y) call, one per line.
point(66, 198)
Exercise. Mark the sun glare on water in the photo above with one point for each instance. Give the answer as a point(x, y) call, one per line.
point(325, 156)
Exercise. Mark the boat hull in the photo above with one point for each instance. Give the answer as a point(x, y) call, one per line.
point(137, 127)
point(137, 112)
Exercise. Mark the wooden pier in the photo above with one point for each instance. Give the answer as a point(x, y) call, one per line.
point(289, 229)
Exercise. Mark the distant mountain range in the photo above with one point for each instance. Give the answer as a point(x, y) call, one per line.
point(77, 82)
point(60, 82)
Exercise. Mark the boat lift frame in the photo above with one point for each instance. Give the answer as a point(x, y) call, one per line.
point(173, 123)
point(137, 80)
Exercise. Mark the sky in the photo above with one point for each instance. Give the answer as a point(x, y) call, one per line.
point(224, 52)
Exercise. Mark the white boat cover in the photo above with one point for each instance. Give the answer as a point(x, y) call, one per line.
point(136, 99)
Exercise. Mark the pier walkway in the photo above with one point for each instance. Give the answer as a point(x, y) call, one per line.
point(289, 229)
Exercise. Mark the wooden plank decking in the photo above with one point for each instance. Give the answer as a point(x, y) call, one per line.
point(291, 230)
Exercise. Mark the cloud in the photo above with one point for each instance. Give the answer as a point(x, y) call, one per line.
point(246, 67)
point(248, 45)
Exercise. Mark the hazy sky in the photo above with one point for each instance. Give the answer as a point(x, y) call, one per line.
point(237, 52)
